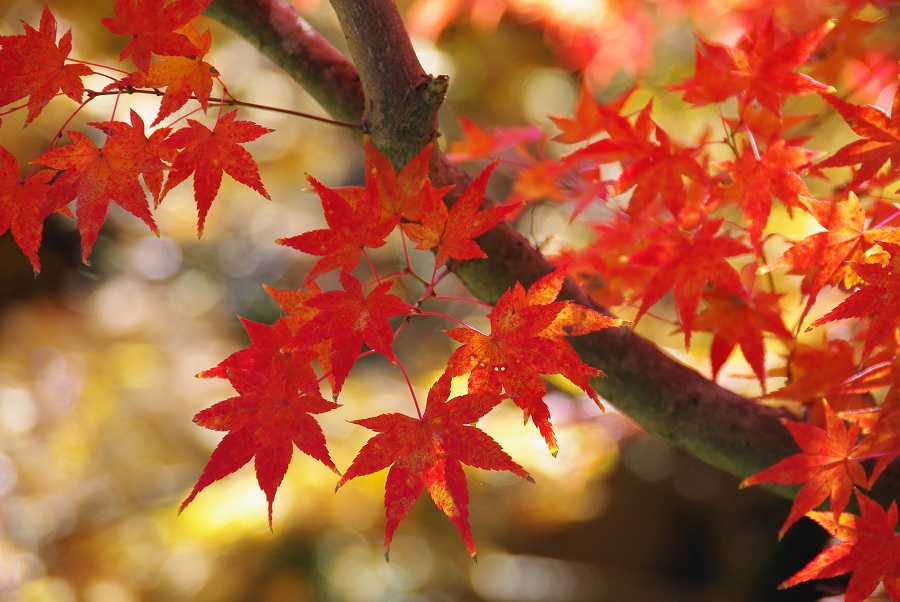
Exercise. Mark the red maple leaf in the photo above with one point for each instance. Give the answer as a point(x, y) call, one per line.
point(880, 142)
point(208, 153)
point(759, 178)
point(869, 548)
point(453, 231)
point(31, 64)
point(651, 163)
point(740, 322)
point(826, 466)
point(350, 229)
point(268, 417)
point(22, 202)
point(428, 453)
point(761, 67)
point(95, 177)
point(349, 318)
point(527, 339)
point(686, 261)
point(879, 298)
point(826, 257)
point(183, 77)
point(268, 345)
point(149, 152)
point(154, 28)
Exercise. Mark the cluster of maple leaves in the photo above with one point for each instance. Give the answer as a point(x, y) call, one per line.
point(675, 230)
point(680, 223)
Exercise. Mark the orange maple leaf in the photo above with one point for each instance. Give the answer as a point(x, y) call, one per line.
point(95, 177)
point(527, 339)
point(31, 64)
point(400, 193)
point(590, 117)
point(154, 28)
point(452, 231)
point(208, 153)
point(826, 257)
point(183, 77)
point(879, 298)
point(480, 143)
point(820, 372)
point(292, 302)
point(22, 202)
point(349, 318)
point(685, 262)
point(269, 416)
point(428, 453)
point(826, 466)
point(880, 133)
point(870, 549)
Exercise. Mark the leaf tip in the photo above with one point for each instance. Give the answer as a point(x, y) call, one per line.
point(529, 479)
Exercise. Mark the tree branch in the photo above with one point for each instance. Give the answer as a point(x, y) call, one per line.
point(666, 398)
point(281, 34)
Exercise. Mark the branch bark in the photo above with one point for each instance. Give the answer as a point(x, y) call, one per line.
point(666, 398)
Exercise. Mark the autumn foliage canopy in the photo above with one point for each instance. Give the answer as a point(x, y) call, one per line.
point(681, 230)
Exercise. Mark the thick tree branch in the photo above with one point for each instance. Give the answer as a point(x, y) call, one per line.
point(402, 101)
point(283, 36)
point(665, 397)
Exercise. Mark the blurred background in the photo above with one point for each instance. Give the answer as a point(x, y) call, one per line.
point(97, 365)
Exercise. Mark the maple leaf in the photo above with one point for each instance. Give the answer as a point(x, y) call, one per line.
point(269, 416)
point(350, 230)
point(880, 298)
point(758, 178)
point(826, 466)
point(428, 453)
point(685, 262)
point(349, 318)
point(527, 339)
point(400, 194)
point(154, 28)
point(654, 168)
point(292, 302)
point(826, 257)
point(268, 345)
point(479, 143)
point(880, 142)
point(149, 152)
point(603, 267)
point(183, 77)
point(869, 548)
point(21, 205)
point(452, 231)
point(31, 64)
point(96, 176)
point(208, 153)
point(820, 372)
point(739, 322)
point(590, 117)
point(760, 68)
